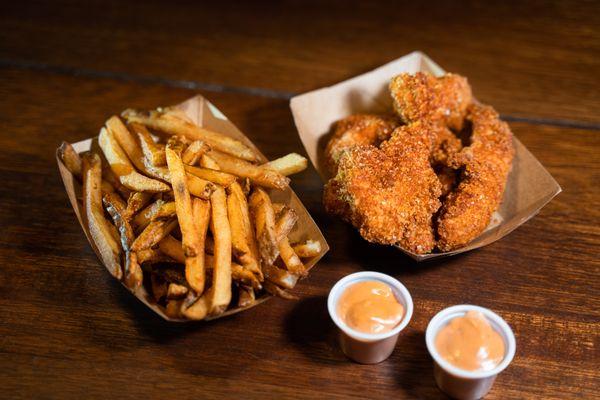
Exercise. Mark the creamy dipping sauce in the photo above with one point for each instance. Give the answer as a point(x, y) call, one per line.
point(370, 307)
point(470, 343)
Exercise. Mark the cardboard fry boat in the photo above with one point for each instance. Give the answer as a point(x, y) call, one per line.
point(529, 187)
point(205, 114)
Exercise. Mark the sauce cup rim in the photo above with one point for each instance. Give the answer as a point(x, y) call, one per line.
point(399, 291)
point(498, 324)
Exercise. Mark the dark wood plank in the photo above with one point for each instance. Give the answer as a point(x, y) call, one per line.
point(68, 330)
point(531, 59)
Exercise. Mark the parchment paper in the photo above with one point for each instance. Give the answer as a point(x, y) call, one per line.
point(529, 185)
point(205, 114)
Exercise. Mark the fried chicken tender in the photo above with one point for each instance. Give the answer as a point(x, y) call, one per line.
point(486, 162)
point(390, 194)
point(423, 96)
point(360, 129)
point(445, 145)
point(448, 178)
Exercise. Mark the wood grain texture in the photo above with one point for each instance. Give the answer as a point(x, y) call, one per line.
point(530, 59)
point(68, 330)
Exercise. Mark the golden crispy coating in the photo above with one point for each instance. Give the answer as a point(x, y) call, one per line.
point(391, 193)
point(448, 178)
point(360, 129)
point(423, 96)
point(445, 145)
point(487, 162)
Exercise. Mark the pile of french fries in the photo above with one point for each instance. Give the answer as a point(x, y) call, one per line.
point(184, 212)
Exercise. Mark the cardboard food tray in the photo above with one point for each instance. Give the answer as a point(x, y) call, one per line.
point(203, 113)
point(529, 185)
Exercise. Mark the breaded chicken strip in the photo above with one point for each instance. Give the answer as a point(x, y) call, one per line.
point(445, 146)
point(423, 96)
point(487, 162)
point(448, 178)
point(360, 129)
point(442, 101)
point(390, 194)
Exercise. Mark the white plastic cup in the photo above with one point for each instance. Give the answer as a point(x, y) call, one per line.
point(369, 348)
point(459, 383)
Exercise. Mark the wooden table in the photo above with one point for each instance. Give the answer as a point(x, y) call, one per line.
point(68, 330)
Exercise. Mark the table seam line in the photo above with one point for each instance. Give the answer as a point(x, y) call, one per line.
point(247, 90)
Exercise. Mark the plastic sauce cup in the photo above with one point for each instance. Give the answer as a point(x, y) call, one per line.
point(369, 348)
point(459, 383)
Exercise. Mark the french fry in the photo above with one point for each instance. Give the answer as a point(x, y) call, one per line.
point(136, 201)
point(192, 246)
point(70, 158)
point(173, 309)
point(153, 233)
point(201, 215)
point(207, 162)
point(194, 151)
point(264, 225)
point(242, 237)
point(117, 210)
point(258, 175)
point(99, 227)
point(153, 256)
point(285, 223)
point(72, 161)
point(311, 248)
point(134, 151)
point(111, 179)
point(123, 169)
point(166, 210)
point(218, 177)
point(288, 165)
point(221, 279)
point(246, 297)
point(290, 258)
point(194, 307)
point(176, 125)
point(281, 277)
point(154, 153)
point(199, 187)
point(144, 217)
point(133, 276)
point(176, 291)
point(238, 273)
point(172, 248)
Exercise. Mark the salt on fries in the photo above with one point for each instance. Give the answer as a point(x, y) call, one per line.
point(185, 212)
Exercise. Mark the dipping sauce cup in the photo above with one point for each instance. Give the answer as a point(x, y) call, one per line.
point(369, 348)
point(459, 383)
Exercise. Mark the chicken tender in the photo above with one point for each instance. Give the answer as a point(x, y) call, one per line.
point(445, 146)
point(423, 96)
point(486, 163)
point(390, 194)
point(360, 129)
point(448, 178)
